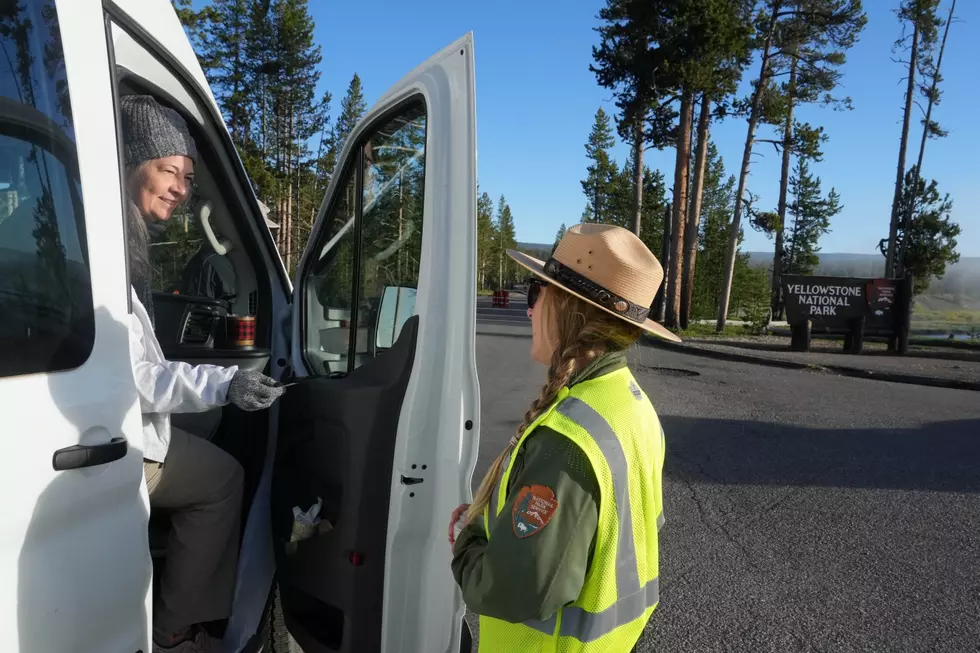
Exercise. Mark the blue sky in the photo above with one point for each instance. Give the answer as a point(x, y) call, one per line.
point(536, 100)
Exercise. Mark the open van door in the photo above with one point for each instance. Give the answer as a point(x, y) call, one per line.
point(379, 434)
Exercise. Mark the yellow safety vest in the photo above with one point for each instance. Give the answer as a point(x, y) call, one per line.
point(614, 423)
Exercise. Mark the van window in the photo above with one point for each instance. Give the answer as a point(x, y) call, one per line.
point(366, 248)
point(391, 234)
point(45, 286)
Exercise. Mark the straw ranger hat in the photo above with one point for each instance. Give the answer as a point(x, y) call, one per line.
point(608, 267)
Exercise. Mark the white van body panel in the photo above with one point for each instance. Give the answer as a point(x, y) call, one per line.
point(74, 558)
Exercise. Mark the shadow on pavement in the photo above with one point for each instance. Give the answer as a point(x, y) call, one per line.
point(826, 347)
point(940, 457)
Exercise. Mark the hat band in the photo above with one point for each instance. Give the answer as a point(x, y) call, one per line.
point(596, 293)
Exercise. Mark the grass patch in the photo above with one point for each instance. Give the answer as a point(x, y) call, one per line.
point(962, 318)
point(708, 331)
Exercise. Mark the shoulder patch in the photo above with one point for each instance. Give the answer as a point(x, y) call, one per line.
point(534, 508)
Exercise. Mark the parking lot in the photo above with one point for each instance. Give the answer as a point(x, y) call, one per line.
point(805, 511)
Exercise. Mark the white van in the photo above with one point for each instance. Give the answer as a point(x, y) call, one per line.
point(384, 435)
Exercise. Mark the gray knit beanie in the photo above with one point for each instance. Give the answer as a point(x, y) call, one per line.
point(153, 131)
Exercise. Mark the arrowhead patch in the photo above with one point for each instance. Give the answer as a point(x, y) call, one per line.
point(534, 508)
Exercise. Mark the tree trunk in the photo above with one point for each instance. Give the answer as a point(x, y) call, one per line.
point(902, 147)
point(694, 212)
point(682, 173)
point(595, 204)
point(288, 164)
point(500, 275)
point(907, 222)
point(729, 266)
point(777, 257)
point(659, 302)
point(637, 175)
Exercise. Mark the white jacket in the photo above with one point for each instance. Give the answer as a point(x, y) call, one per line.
point(168, 386)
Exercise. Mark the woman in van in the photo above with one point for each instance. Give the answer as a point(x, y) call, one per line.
point(194, 480)
point(559, 551)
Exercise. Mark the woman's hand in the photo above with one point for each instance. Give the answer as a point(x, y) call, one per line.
point(253, 390)
point(455, 517)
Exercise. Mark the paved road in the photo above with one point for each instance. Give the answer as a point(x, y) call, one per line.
point(513, 316)
point(805, 511)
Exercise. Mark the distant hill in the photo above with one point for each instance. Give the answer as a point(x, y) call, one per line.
point(958, 289)
point(863, 265)
point(537, 250)
point(546, 247)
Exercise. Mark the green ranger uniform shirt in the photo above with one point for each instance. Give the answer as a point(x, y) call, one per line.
point(531, 577)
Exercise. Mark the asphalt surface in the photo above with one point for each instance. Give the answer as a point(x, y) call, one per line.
point(805, 511)
point(952, 364)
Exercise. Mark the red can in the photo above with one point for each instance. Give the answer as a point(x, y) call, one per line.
point(240, 330)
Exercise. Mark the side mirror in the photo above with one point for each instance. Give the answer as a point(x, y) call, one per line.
point(397, 305)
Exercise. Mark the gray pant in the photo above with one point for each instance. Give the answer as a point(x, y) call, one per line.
point(201, 486)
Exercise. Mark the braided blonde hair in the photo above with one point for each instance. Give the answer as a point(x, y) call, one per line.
point(584, 333)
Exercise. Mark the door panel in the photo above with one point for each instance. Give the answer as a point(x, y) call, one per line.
point(382, 424)
point(74, 561)
point(336, 443)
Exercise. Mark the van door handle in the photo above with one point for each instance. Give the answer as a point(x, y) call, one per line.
point(89, 455)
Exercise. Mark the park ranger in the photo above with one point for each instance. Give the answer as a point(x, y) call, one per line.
point(559, 551)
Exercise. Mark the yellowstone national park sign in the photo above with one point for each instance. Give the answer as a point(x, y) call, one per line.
point(833, 302)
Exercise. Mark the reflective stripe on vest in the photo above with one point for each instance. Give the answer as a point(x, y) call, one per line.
point(588, 626)
point(633, 600)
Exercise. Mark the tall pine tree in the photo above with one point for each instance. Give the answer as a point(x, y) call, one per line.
point(627, 61)
point(920, 30)
point(601, 172)
point(839, 22)
point(811, 55)
point(718, 192)
point(506, 238)
point(296, 118)
point(811, 213)
point(485, 240)
point(352, 109)
point(929, 241)
point(561, 233)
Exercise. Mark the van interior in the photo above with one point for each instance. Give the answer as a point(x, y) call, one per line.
point(336, 430)
point(203, 273)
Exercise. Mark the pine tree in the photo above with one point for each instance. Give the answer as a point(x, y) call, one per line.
point(717, 195)
point(839, 21)
point(485, 239)
point(707, 47)
point(297, 117)
point(602, 171)
point(930, 129)
point(223, 57)
point(195, 21)
point(626, 61)
point(352, 109)
point(812, 57)
point(922, 16)
point(561, 233)
point(505, 239)
point(652, 213)
point(811, 213)
point(621, 197)
point(929, 243)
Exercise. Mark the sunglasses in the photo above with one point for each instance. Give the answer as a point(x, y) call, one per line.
point(534, 287)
